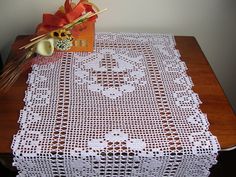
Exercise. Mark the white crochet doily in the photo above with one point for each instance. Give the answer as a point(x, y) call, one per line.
point(126, 109)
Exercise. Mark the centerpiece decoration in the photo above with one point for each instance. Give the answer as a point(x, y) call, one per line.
point(70, 29)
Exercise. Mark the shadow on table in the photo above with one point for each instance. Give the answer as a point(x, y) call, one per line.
point(226, 166)
point(5, 172)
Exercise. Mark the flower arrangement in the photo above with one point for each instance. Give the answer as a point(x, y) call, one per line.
point(56, 32)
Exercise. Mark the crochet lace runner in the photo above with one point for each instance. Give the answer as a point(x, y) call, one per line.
point(126, 109)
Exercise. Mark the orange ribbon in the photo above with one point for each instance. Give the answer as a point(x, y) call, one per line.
point(66, 15)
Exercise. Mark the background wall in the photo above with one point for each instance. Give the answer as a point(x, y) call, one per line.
point(212, 22)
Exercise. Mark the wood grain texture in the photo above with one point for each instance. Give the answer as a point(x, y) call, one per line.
point(220, 114)
point(215, 104)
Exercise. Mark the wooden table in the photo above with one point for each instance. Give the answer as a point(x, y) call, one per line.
point(215, 104)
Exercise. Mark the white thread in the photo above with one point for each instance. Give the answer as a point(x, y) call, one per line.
point(126, 109)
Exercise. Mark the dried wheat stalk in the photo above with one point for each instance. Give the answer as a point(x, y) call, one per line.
point(13, 69)
point(18, 64)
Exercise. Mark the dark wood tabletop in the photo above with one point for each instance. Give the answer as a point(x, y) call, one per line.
point(221, 117)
